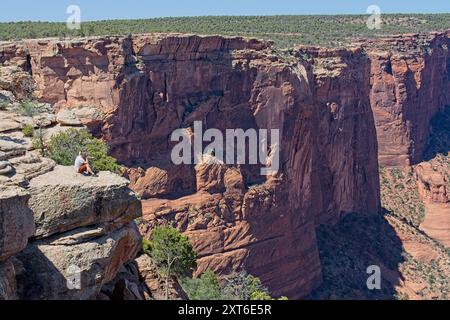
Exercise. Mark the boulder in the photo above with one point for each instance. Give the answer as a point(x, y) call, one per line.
point(9, 124)
point(10, 148)
point(210, 175)
point(88, 115)
point(43, 120)
point(6, 96)
point(67, 117)
point(78, 271)
point(16, 221)
point(20, 169)
point(4, 164)
point(63, 200)
point(162, 180)
point(6, 170)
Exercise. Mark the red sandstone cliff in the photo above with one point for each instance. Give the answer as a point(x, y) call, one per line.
point(409, 84)
point(348, 167)
point(136, 91)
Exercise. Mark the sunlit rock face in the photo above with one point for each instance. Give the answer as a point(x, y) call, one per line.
point(410, 84)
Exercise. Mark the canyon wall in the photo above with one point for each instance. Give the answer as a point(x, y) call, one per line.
point(347, 167)
point(410, 83)
point(335, 108)
point(16, 226)
point(135, 91)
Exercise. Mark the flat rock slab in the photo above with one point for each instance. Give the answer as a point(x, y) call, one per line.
point(10, 148)
point(63, 200)
point(7, 124)
point(27, 167)
point(67, 117)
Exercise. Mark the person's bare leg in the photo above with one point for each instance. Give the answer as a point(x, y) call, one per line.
point(88, 169)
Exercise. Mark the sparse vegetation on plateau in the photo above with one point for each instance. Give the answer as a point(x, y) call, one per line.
point(285, 31)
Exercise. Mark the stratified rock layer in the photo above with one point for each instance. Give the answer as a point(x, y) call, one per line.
point(16, 226)
point(75, 270)
point(81, 228)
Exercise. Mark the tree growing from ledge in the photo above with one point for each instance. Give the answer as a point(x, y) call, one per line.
point(172, 253)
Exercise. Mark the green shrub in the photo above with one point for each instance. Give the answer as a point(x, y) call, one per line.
point(260, 295)
point(28, 130)
point(146, 245)
point(64, 147)
point(237, 286)
point(28, 108)
point(206, 287)
point(3, 105)
point(241, 286)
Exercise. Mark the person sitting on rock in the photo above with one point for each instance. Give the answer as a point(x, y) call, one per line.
point(82, 164)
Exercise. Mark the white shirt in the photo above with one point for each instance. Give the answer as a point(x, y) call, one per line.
point(78, 162)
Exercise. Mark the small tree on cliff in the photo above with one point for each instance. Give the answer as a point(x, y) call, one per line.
point(172, 253)
point(205, 287)
point(244, 286)
point(39, 140)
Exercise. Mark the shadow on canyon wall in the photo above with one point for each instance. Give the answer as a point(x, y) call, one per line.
point(348, 248)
